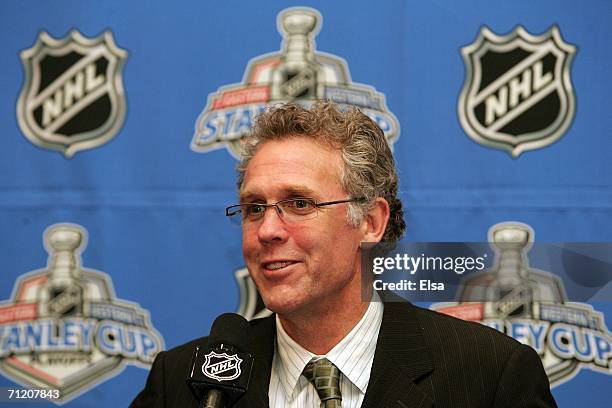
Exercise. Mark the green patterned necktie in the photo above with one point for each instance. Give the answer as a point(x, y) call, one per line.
point(326, 379)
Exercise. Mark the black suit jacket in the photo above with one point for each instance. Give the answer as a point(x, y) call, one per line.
point(422, 359)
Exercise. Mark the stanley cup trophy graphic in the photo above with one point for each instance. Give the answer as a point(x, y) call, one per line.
point(297, 76)
point(511, 288)
point(299, 73)
point(64, 328)
point(62, 295)
point(532, 306)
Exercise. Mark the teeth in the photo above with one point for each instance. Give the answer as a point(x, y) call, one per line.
point(278, 265)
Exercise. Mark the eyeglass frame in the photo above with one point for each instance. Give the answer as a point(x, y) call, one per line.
point(280, 212)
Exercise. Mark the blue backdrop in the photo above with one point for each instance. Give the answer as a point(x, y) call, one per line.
point(151, 203)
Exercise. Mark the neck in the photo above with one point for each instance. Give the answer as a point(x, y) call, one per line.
point(320, 330)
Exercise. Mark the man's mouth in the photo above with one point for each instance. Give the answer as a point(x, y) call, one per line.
point(277, 265)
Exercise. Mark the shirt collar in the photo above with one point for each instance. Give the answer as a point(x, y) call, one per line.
point(353, 355)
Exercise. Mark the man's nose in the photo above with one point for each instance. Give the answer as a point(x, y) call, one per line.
point(272, 227)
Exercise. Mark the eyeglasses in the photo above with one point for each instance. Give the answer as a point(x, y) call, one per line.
point(290, 210)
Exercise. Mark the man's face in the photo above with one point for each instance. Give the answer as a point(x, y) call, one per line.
point(300, 267)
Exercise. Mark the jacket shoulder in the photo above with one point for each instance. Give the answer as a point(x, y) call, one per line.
point(462, 331)
point(501, 369)
point(166, 384)
point(450, 339)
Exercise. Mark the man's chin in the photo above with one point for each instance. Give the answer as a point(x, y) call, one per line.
point(282, 309)
point(282, 306)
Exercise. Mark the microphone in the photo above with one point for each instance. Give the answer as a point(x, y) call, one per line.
point(220, 372)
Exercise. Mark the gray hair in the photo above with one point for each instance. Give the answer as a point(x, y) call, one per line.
point(369, 168)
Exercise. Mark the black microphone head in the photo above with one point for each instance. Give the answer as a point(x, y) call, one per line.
point(221, 371)
point(230, 329)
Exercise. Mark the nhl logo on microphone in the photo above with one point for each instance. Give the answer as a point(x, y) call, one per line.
point(221, 367)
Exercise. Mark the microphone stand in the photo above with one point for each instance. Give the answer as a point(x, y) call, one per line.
point(214, 399)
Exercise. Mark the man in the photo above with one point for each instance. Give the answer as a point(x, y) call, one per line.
point(313, 185)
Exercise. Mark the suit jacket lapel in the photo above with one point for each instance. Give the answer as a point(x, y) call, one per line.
point(262, 345)
point(400, 360)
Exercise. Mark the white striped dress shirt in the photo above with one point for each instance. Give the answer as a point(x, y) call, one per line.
point(353, 356)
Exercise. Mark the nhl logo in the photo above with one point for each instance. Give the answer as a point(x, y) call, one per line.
point(251, 304)
point(517, 94)
point(221, 367)
point(72, 98)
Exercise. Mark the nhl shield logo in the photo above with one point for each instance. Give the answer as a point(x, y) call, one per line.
point(517, 94)
point(72, 98)
point(221, 367)
point(251, 304)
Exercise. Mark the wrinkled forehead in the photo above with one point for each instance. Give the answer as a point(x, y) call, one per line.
point(293, 166)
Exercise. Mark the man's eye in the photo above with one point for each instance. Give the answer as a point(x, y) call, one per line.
point(302, 205)
point(254, 210)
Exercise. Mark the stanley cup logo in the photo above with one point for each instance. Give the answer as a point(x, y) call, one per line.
point(63, 328)
point(62, 295)
point(531, 305)
point(297, 72)
point(296, 76)
point(511, 287)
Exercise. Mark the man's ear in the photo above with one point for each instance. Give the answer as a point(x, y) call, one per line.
point(375, 221)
